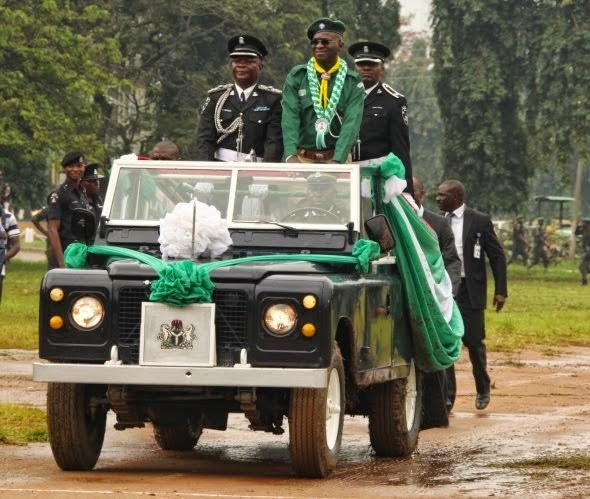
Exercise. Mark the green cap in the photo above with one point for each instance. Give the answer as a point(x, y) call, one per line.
point(325, 24)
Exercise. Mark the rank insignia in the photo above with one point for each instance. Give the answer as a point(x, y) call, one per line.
point(405, 114)
point(53, 198)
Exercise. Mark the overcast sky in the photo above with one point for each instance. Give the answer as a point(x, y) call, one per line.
point(420, 10)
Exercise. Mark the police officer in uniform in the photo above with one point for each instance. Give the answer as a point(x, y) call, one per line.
point(91, 184)
point(62, 202)
point(241, 121)
point(384, 128)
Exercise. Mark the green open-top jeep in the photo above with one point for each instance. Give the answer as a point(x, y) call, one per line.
point(309, 338)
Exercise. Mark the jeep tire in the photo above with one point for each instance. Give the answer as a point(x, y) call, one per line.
point(179, 437)
point(76, 424)
point(316, 417)
point(395, 410)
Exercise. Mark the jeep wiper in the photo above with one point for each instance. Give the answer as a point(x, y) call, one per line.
point(283, 226)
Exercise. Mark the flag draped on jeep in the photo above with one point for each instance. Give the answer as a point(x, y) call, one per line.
point(435, 320)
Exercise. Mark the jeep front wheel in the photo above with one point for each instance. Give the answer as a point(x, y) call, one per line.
point(76, 421)
point(395, 409)
point(316, 416)
point(179, 437)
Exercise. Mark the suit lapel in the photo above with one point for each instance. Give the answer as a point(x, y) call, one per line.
point(467, 220)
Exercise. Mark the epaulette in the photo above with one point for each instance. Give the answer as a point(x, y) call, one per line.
point(272, 90)
point(219, 88)
point(392, 91)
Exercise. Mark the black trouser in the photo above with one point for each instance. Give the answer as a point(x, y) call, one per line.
point(474, 322)
point(585, 266)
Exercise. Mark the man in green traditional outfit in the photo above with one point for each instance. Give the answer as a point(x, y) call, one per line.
point(322, 101)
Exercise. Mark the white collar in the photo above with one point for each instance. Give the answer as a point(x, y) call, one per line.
point(369, 90)
point(247, 91)
point(459, 212)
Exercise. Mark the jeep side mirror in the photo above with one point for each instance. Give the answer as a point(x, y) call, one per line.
point(83, 225)
point(379, 230)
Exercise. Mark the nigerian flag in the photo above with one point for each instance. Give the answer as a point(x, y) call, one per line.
point(435, 320)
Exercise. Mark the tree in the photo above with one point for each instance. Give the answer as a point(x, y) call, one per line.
point(412, 75)
point(478, 74)
point(52, 60)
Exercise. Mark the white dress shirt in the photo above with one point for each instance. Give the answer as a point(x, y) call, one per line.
point(457, 226)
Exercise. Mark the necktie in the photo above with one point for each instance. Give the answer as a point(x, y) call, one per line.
point(242, 98)
point(449, 216)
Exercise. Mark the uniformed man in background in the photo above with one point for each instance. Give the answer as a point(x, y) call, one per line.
point(322, 101)
point(384, 128)
point(241, 121)
point(91, 184)
point(62, 202)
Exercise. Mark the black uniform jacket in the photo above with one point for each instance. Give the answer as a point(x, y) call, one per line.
point(261, 118)
point(62, 203)
point(478, 226)
point(384, 128)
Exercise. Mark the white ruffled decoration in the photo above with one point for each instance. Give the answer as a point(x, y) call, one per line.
point(366, 188)
point(176, 228)
point(394, 186)
point(129, 156)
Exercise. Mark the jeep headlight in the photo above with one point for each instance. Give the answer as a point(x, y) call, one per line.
point(280, 318)
point(87, 312)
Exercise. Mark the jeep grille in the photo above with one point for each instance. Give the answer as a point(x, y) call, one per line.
point(231, 310)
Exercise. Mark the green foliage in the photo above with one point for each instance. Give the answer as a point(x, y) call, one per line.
point(21, 424)
point(477, 75)
point(558, 116)
point(52, 59)
point(576, 462)
point(412, 75)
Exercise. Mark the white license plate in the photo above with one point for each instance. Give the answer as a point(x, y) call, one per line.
point(177, 336)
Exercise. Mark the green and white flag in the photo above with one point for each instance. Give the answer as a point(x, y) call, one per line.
point(435, 320)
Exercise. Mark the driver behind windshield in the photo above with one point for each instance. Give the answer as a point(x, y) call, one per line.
point(322, 193)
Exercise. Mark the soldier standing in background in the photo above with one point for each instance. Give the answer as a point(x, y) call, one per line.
point(384, 128)
point(519, 243)
point(539, 245)
point(241, 121)
point(583, 229)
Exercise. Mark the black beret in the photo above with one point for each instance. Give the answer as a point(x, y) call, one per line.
point(72, 157)
point(246, 45)
point(369, 52)
point(326, 24)
point(91, 172)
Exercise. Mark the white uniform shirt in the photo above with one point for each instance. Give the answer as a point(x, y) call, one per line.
point(457, 226)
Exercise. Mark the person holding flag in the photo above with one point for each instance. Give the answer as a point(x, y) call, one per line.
point(322, 101)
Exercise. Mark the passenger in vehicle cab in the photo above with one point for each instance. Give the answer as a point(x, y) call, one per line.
point(384, 128)
point(165, 150)
point(241, 121)
point(322, 101)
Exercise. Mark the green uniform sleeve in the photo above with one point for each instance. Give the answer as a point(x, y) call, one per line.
point(291, 119)
point(351, 121)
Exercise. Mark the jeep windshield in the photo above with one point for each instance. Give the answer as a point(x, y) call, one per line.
point(141, 193)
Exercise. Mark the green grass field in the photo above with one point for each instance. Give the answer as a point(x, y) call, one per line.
point(545, 309)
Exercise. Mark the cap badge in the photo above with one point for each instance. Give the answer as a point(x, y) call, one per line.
point(241, 40)
point(322, 25)
point(366, 49)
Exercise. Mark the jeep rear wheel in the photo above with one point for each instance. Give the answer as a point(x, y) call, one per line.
point(395, 409)
point(76, 421)
point(316, 417)
point(179, 437)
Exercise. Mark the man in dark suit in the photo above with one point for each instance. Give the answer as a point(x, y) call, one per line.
point(241, 121)
point(474, 238)
point(435, 390)
point(384, 128)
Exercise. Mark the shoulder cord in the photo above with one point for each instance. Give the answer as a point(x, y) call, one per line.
point(236, 124)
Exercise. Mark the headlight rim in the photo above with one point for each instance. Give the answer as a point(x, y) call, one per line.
point(79, 326)
point(288, 303)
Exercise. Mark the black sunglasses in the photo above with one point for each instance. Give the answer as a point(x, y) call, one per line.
point(320, 41)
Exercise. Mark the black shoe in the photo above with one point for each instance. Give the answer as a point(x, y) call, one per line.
point(481, 401)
